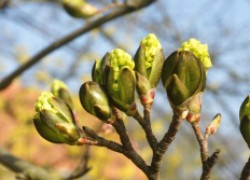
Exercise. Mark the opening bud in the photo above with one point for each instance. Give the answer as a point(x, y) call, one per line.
point(54, 120)
point(199, 50)
point(183, 76)
point(149, 59)
point(119, 79)
point(60, 90)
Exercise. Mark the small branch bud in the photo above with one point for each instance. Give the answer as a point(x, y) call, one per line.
point(213, 127)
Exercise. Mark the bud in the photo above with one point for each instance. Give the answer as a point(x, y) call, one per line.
point(213, 127)
point(99, 69)
point(96, 72)
point(149, 59)
point(193, 105)
point(245, 107)
point(145, 91)
point(95, 101)
point(79, 8)
point(199, 50)
point(121, 89)
point(60, 90)
point(183, 76)
point(116, 70)
point(54, 120)
point(245, 120)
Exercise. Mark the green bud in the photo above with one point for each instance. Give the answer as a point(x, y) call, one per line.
point(96, 72)
point(115, 73)
point(144, 90)
point(54, 120)
point(121, 88)
point(98, 69)
point(79, 8)
point(95, 101)
point(116, 70)
point(193, 105)
point(183, 76)
point(245, 107)
point(245, 120)
point(102, 68)
point(149, 59)
point(199, 50)
point(60, 90)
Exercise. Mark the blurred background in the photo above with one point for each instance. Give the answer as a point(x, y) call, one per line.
point(27, 26)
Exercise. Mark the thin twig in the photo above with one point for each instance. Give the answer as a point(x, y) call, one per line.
point(117, 12)
point(121, 130)
point(129, 151)
point(164, 144)
point(211, 161)
point(146, 126)
point(100, 141)
point(83, 167)
point(207, 162)
point(126, 149)
point(202, 142)
point(23, 167)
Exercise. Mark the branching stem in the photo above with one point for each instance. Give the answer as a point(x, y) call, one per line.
point(207, 162)
point(146, 126)
point(26, 169)
point(202, 142)
point(129, 151)
point(164, 144)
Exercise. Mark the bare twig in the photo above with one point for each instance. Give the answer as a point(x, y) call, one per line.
point(28, 170)
point(164, 144)
point(207, 167)
point(117, 12)
point(126, 149)
point(83, 167)
point(129, 151)
point(207, 162)
point(202, 142)
point(146, 126)
point(100, 141)
point(121, 130)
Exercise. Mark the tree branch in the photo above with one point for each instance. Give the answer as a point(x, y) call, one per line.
point(146, 126)
point(100, 141)
point(202, 142)
point(164, 144)
point(119, 10)
point(207, 162)
point(26, 169)
point(129, 151)
point(207, 167)
point(83, 167)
